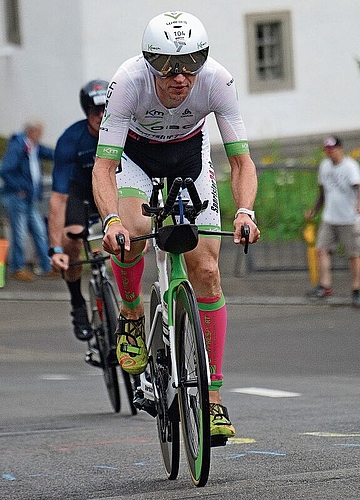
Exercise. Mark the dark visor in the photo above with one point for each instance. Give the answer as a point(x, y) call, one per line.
point(169, 65)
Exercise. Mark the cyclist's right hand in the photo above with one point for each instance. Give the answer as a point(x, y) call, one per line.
point(110, 243)
point(309, 215)
point(60, 262)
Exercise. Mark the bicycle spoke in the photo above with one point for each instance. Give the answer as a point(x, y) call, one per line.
point(106, 347)
point(167, 420)
point(193, 385)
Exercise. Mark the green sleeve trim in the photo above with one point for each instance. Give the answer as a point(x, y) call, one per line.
point(237, 148)
point(132, 305)
point(214, 306)
point(109, 152)
point(215, 385)
point(126, 265)
point(210, 227)
point(130, 192)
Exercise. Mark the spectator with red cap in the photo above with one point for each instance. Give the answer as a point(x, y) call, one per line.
point(339, 196)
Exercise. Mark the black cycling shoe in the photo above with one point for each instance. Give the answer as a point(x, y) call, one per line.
point(82, 328)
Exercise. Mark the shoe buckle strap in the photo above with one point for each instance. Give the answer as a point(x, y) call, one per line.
point(131, 327)
point(219, 414)
point(130, 349)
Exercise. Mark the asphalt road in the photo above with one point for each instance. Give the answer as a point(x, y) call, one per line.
point(292, 389)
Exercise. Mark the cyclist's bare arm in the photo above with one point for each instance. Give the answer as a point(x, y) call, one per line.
point(57, 208)
point(310, 214)
point(106, 199)
point(244, 188)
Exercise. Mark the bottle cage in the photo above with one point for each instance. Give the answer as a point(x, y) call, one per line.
point(177, 238)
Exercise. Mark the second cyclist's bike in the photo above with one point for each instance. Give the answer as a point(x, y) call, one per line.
point(104, 306)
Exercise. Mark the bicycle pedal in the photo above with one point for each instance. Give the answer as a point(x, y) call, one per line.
point(141, 403)
point(90, 361)
point(218, 441)
point(112, 359)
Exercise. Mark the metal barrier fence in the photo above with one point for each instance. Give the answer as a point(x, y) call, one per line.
point(284, 194)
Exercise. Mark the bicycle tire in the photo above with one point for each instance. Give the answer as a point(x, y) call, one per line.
point(193, 384)
point(111, 306)
point(96, 320)
point(167, 420)
point(104, 315)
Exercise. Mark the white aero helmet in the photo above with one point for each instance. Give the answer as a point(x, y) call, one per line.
point(174, 43)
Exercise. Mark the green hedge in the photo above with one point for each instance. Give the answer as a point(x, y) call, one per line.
point(282, 199)
point(3, 143)
point(284, 194)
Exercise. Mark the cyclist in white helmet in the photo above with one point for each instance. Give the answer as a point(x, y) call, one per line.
point(155, 126)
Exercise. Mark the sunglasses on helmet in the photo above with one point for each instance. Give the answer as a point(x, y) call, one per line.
point(96, 110)
point(163, 65)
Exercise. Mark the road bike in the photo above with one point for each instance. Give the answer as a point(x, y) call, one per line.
point(104, 306)
point(175, 385)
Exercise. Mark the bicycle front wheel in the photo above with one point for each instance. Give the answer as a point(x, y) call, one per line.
point(167, 419)
point(193, 384)
point(107, 309)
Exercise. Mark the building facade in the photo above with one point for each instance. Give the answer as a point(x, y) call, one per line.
point(295, 63)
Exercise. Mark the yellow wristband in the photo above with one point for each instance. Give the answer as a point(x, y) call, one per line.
point(113, 220)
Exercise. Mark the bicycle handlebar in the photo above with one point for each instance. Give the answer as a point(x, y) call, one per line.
point(245, 233)
point(164, 212)
point(94, 260)
point(120, 238)
point(171, 198)
point(194, 195)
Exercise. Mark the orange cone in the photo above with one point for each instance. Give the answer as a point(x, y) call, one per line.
point(309, 235)
point(4, 246)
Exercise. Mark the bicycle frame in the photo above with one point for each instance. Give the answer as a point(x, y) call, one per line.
point(175, 385)
point(168, 285)
point(104, 312)
point(165, 312)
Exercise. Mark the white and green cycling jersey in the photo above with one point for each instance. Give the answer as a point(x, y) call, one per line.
point(132, 104)
point(151, 140)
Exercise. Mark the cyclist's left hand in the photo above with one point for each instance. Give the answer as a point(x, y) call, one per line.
point(242, 220)
point(60, 262)
point(110, 243)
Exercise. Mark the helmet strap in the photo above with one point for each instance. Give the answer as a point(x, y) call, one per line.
point(91, 129)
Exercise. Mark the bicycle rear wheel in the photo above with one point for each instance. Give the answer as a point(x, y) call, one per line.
point(193, 384)
point(111, 307)
point(167, 419)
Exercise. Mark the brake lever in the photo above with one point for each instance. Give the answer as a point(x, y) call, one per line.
point(245, 233)
point(120, 238)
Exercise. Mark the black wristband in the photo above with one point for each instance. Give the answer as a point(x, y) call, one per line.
point(54, 250)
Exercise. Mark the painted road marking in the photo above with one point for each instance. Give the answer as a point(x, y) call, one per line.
point(348, 445)
point(274, 453)
point(8, 477)
point(58, 376)
point(64, 376)
point(257, 452)
point(105, 467)
point(242, 440)
point(331, 434)
point(269, 393)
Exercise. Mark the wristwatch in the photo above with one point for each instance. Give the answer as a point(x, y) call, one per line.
point(54, 250)
point(246, 211)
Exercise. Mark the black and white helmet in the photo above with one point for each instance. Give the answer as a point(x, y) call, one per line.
point(174, 43)
point(93, 94)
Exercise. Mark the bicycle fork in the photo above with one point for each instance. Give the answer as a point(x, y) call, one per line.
point(147, 393)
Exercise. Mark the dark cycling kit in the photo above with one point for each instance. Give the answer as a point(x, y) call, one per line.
point(74, 160)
